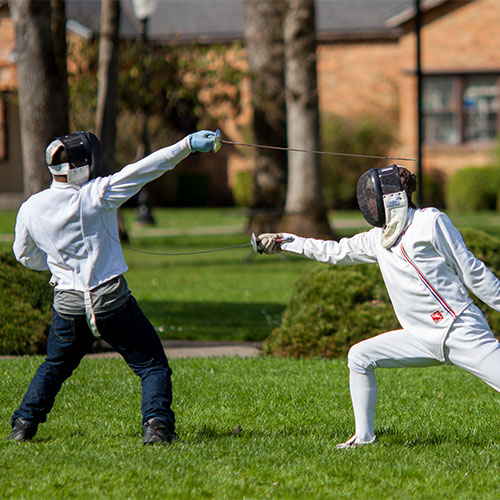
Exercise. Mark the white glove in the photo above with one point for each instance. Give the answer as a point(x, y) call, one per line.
point(269, 243)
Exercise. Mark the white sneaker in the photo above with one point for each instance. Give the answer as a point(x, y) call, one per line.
point(355, 442)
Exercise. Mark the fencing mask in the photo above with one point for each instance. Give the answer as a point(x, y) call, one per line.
point(383, 202)
point(78, 156)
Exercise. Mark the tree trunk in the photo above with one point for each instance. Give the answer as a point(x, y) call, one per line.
point(264, 44)
point(107, 92)
point(43, 105)
point(305, 211)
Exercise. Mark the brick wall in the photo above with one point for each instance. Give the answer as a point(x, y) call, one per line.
point(7, 70)
point(359, 78)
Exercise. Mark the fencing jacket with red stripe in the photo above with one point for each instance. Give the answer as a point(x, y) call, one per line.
point(426, 272)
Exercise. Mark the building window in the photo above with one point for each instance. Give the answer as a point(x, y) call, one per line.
point(461, 109)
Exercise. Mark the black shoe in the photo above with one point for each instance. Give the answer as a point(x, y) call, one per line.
point(155, 431)
point(22, 430)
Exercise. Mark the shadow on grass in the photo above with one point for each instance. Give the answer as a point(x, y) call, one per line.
point(213, 320)
point(211, 433)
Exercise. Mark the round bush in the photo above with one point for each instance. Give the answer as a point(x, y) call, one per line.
point(473, 188)
point(334, 307)
point(25, 308)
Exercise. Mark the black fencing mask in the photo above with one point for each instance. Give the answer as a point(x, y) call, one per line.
point(84, 157)
point(383, 201)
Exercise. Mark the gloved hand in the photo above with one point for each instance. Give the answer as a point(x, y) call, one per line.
point(202, 141)
point(266, 243)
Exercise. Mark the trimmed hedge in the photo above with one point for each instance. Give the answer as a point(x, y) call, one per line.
point(473, 188)
point(334, 307)
point(25, 307)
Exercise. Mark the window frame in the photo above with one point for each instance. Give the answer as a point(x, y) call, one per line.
point(459, 79)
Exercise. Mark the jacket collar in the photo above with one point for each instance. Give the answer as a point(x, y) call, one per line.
point(63, 185)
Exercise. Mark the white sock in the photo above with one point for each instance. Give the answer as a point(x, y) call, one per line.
point(364, 399)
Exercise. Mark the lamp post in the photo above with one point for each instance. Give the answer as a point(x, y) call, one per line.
point(420, 125)
point(143, 10)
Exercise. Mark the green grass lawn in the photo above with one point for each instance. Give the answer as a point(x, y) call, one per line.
point(230, 295)
point(438, 430)
point(438, 427)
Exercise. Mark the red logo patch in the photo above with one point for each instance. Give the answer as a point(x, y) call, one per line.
point(436, 316)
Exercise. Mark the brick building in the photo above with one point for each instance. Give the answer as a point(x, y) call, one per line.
point(461, 67)
point(366, 64)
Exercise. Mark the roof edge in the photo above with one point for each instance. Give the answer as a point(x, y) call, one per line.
point(350, 36)
point(407, 14)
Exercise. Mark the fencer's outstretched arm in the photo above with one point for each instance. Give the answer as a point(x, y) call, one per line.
point(359, 249)
point(117, 188)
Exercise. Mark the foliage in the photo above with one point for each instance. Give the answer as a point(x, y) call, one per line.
point(487, 249)
point(434, 185)
point(367, 136)
point(25, 307)
point(181, 87)
point(176, 78)
point(473, 188)
point(334, 307)
point(256, 428)
point(242, 189)
point(331, 309)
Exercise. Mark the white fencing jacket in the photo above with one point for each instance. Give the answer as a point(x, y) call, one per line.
point(426, 272)
point(73, 231)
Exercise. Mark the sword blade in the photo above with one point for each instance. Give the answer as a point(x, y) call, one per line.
point(236, 143)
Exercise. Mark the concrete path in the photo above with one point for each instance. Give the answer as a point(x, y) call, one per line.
point(194, 349)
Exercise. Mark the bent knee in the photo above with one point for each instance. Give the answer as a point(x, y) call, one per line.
point(358, 358)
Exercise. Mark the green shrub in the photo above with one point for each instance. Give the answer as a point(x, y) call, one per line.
point(333, 307)
point(242, 189)
point(365, 135)
point(433, 190)
point(25, 307)
point(473, 188)
point(487, 249)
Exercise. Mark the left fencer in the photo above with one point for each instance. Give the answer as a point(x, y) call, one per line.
point(427, 270)
point(71, 230)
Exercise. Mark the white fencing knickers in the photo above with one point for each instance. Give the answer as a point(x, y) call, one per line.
point(470, 345)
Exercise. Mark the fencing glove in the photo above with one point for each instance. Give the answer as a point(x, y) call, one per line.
point(203, 141)
point(269, 243)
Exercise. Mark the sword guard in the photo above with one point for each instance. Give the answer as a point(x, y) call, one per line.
point(217, 141)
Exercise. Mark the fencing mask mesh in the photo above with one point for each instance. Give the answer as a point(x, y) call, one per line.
point(370, 200)
point(383, 201)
